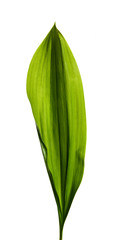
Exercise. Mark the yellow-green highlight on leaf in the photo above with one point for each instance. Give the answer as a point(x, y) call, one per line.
point(55, 92)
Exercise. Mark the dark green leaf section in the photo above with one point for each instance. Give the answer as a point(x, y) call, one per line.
point(55, 91)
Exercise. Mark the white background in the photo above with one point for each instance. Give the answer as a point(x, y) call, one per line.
point(94, 31)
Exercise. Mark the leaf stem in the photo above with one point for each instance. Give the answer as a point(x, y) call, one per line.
point(61, 231)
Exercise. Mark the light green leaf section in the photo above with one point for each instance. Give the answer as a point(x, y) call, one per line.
point(55, 91)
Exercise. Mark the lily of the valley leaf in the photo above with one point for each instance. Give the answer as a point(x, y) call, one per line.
point(55, 92)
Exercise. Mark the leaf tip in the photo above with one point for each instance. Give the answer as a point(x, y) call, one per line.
point(55, 24)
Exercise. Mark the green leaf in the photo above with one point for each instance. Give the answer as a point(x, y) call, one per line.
point(55, 91)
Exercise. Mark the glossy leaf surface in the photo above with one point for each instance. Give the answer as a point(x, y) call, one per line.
point(55, 91)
